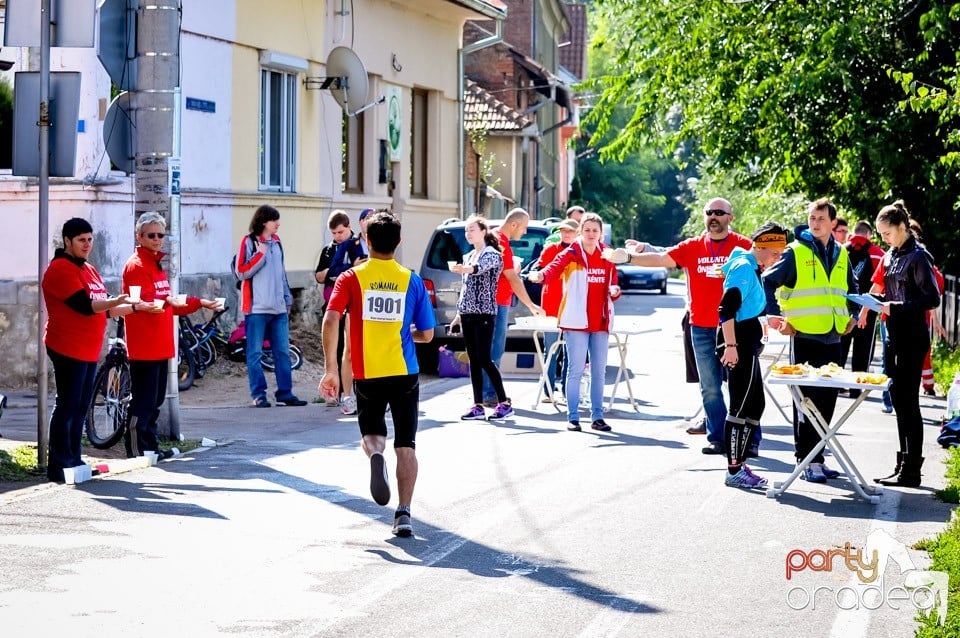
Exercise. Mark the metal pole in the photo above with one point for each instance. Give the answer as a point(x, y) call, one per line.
point(44, 238)
point(173, 377)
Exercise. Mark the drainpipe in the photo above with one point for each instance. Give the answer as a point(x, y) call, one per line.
point(494, 38)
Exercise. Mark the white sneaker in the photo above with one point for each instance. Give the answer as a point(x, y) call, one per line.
point(348, 405)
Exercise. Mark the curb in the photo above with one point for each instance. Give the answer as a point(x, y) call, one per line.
point(113, 467)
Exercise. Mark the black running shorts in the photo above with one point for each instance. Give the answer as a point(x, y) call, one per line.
point(402, 394)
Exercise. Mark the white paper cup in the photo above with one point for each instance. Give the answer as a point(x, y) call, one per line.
point(151, 456)
point(134, 294)
point(205, 442)
point(220, 301)
point(69, 476)
point(158, 303)
point(180, 299)
point(451, 264)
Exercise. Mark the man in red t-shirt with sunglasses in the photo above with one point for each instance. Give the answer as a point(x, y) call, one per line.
point(701, 258)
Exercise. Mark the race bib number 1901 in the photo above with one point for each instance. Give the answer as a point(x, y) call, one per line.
point(380, 305)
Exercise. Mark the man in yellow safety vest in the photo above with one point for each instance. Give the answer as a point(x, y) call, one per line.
point(806, 300)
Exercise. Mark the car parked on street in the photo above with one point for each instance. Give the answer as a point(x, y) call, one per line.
point(642, 278)
point(449, 243)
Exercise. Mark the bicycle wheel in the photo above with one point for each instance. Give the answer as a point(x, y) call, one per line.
point(186, 369)
point(206, 354)
point(267, 360)
point(110, 408)
point(296, 357)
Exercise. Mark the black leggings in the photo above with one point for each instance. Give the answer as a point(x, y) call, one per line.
point(745, 383)
point(477, 336)
point(906, 348)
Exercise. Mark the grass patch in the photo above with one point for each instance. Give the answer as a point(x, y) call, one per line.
point(19, 464)
point(944, 553)
point(184, 446)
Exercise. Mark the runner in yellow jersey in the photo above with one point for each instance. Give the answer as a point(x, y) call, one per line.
point(382, 300)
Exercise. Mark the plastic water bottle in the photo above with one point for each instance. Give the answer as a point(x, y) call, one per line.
point(953, 397)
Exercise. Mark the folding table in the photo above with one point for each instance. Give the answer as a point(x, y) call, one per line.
point(621, 331)
point(828, 433)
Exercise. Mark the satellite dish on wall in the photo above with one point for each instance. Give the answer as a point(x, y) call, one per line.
point(347, 81)
point(352, 94)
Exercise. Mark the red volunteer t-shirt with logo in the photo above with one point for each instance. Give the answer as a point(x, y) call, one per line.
point(68, 332)
point(504, 289)
point(701, 258)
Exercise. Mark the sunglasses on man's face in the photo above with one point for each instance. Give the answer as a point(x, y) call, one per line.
point(715, 211)
point(154, 235)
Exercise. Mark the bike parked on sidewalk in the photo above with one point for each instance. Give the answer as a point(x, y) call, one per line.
point(109, 410)
point(237, 350)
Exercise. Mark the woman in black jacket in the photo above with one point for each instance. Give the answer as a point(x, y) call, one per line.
point(911, 290)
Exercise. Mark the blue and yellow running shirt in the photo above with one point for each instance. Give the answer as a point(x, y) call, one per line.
point(382, 299)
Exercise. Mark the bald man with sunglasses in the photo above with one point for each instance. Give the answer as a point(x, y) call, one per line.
point(701, 258)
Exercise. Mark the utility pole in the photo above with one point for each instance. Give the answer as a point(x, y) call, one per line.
point(43, 256)
point(156, 104)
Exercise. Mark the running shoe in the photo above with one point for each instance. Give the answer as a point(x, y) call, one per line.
point(401, 525)
point(829, 473)
point(502, 411)
point(699, 428)
point(476, 413)
point(600, 425)
point(348, 405)
point(574, 426)
point(379, 484)
point(813, 473)
point(745, 479)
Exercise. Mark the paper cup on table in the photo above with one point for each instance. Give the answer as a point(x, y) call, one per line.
point(158, 303)
point(134, 295)
point(451, 264)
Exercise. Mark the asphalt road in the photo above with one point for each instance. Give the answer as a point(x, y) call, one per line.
point(521, 528)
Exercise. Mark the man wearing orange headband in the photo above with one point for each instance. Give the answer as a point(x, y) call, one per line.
point(740, 340)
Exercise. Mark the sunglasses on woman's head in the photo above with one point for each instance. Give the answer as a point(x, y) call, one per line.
point(715, 211)
point(154, 235)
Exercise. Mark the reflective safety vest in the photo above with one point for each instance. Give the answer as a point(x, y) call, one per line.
point(816, 303)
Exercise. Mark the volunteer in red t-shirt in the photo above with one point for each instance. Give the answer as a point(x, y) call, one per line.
point(585, 315)
point(150, 334)
point(701, 258)
point(513, 228)
point(77, 309)
point(552, 294)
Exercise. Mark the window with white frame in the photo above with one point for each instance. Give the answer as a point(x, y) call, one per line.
point(278, 130)
point(418, 143)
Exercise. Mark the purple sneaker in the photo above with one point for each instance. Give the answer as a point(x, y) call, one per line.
point(476, 413)
point(745, 479)
point(502, 411)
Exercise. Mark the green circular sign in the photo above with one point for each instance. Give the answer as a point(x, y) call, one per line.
point(394, 122)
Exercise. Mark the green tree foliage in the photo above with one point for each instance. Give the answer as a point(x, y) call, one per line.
point(640, 193)
point(6, 124)
point(791, 96)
